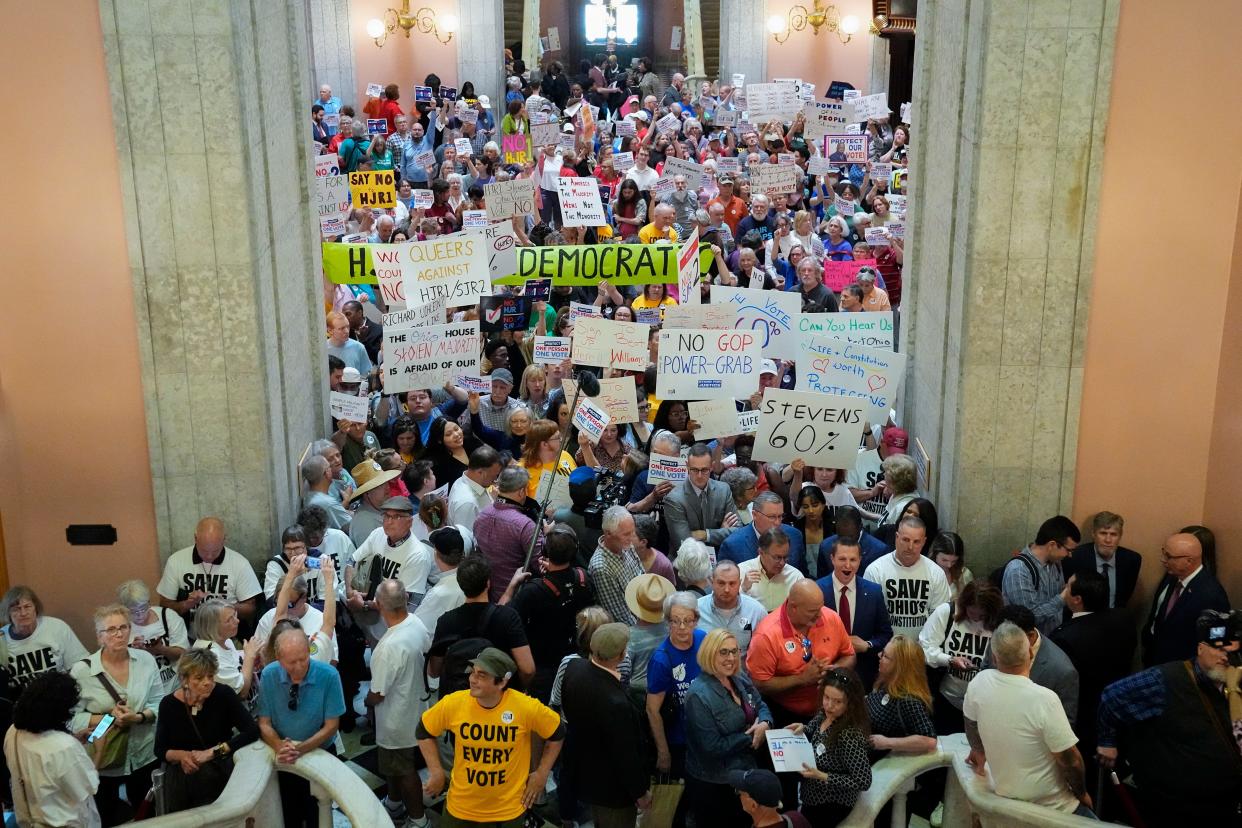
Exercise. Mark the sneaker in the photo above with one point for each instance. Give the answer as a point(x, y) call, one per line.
point(396, 810)
point(421, 822)
point(937, 816)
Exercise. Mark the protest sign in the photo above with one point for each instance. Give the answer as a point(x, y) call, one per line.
point(669, 123)
point(332, 122)
point(591, 419)
point(839, 274)
point(674, 41)
point(501, 247)
point(707, 364)
point(377, 126)
point(425, 160)
point(850, 94)
point(431, 313)
point(452, 267)
point(331, 226)
point(732, 166)
point(876, 236)
point(772, 315)
point(775, 178)
point(747, 422)
point(509, 198)
point(648, 316)
point(765, 101)
point(622, 161)
point(327, 165)
point(662, 468)
point(806, 92)
point(819, 165)
point(567, 140)
point(881, 171)
point(539, 289)
point(822, 430)
point(424, 199)
point(716, 418)
point(845, 149)
point(515, 148)
point(429, 356)
point(866, 107)
point(374, 90)
point(464, 148)
point(785, 158)
point(790, 751)
point(472, 384)
point(373, 189)
point(580, 202)
point(896, 229)
point(474, 219)
point(503, 313)
point(625, 128)
point(833, 366)
point(678, 166)
point(701, 316)
point(873, 329)
point(844, 206)
point(554, 489)
point(544, 134)
point(688, 273)
point(349, 407)
point(836, 90)
point(738, 79)
point(423, 94)
point(577, 310)
point(551, 350)
point(448, 93)
point(554, 39)
point(618, 396)
point(725, 117)
point(663, 187)
point(468, 116)
point(602, 342)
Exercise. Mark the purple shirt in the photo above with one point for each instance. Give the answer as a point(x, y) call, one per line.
point(503, 534)
point(661, 565)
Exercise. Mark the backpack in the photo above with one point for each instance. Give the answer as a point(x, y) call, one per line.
point(997, 576)
point(457, 652)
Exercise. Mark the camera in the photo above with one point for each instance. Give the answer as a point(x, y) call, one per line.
point(610, 490)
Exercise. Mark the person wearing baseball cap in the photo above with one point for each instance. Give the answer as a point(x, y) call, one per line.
point(760, 793)
point(495, 407)
point(734, 207)
point(492, 724)
point(391, 551)
point(1174, 726)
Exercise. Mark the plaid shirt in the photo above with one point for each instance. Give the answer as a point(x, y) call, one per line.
point(396, 143)
point(1135, 698)
point(610, 573)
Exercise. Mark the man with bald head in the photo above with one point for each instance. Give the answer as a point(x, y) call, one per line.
point(1186, 591)
point(299, 708)
point(208, 569)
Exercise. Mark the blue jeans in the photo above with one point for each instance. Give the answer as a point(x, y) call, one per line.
point(1084, 811)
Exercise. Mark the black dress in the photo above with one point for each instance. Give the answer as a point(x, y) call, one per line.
point(223, 717)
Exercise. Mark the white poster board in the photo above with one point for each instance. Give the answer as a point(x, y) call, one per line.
point(771, 314)
point(453, 267)
point(833, 366)
point(716, 418)
point(551, 350)
point(602, 342)
point(871, 328)
point(429, 356)
point(662, 468)
point(580, 202)
point(510, 198)
point(698, 364)
point(821, 429)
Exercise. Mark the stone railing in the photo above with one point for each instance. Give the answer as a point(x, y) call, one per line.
point(252, 797)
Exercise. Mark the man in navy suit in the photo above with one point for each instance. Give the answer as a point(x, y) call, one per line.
point(767, 511)
point(1170, 634)
point(849, 524)
point(1106, 555)
point(860, 604)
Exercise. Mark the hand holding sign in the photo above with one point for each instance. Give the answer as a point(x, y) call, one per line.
point(821, 429)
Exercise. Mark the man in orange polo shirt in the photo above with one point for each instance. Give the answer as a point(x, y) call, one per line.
point(734, 207)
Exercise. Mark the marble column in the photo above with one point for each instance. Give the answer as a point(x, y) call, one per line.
point(877, 77)
point(209, 109)
point(692, 43)
point(744, 40)
point(1010, 104)
point(331, 50)
point(480, 42)
point(530, 33)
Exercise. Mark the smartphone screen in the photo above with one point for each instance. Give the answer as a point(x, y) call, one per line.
point(101, 728)
point(314, 563)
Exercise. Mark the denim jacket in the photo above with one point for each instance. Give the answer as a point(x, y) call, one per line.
point(716, 728)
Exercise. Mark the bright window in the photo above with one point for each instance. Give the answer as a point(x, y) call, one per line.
point(597, 23)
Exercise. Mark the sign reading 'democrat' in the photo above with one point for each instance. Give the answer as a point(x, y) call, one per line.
point(586, 264)
point(707, 365)
point(602, 342)
point(821, 429)
point(772, 315)
point(580, 202)
point(429, 356)
point(775, 178)
point(452, 267)
point(373, 189)
point(873, 329)
point(510, 198)
point(832, 366)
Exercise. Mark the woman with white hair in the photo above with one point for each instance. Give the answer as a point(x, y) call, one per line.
point(838, 248)
point(693, 566)
point(159, 632)
point(215, 624)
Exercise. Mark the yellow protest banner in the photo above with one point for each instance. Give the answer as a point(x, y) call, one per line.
point(373, 189)
point(579, 265)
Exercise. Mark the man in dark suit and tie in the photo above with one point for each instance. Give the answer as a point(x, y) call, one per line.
point(700, 508)
point(860, 604)
point(767, 512)
point(1106, 555)
point(1169, 633)
point(1100, 643)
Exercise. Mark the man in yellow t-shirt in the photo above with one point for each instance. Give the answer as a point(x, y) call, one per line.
point(492, 725)
point(661, 226)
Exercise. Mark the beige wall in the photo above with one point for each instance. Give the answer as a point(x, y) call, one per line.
point(401, 61)
point(73, 436)
point(1160, 441)
point(821, 59)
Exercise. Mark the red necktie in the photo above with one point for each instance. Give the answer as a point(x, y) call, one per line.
point(1177, 591)
point(843, 609)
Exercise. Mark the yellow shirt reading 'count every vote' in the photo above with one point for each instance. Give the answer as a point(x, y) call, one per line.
point(491, 753)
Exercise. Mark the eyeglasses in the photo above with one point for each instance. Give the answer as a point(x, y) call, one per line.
point(681, 622)
point(293, 696)
point(123, 629)
point(727, 652)
point(806, 650)
point(1165, 556)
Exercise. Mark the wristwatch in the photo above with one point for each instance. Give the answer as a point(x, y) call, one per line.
point(221, 749)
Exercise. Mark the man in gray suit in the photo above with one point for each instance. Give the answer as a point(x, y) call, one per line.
point(700, 508)
point(1051, 668)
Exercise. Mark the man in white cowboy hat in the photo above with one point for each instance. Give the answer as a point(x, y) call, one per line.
point(391, 551)
point(644, 596)
point(370, 494)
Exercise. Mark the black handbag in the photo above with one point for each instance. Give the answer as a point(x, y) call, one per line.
point(179, 791)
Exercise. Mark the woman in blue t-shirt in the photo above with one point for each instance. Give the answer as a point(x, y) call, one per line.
point(674, 665)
